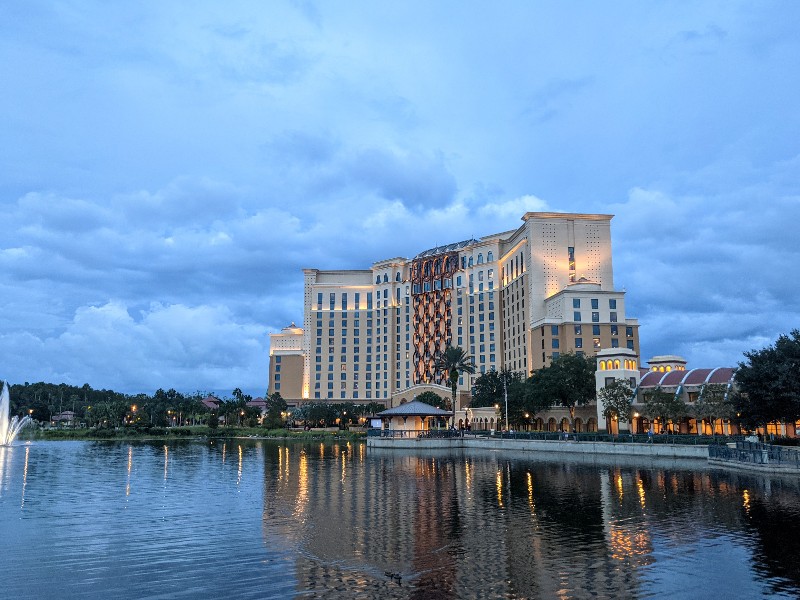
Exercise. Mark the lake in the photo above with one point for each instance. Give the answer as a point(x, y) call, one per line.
point(266, 519)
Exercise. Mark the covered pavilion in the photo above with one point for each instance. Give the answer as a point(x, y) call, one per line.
point(413, 416)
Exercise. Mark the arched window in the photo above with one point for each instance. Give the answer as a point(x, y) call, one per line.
point(480, 258)
point(385, 278)
point(616, 364)
point(378, 279)
point(470, 261)
point(397, 276)
point(489, 256)
point(602, 365)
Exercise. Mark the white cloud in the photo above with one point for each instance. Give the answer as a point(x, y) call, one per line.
point(188, 348)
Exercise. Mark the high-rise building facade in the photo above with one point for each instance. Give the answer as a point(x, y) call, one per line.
point(512, 300)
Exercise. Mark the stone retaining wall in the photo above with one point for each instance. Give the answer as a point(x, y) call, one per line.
point(569, 447)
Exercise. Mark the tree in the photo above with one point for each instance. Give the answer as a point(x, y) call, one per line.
point(213, 420)
point(491, 388)
point(617, 400)
point(662, 405)
point(433, 399)
point(568, 382)
point(452, 363)
point(769, 382)
point(714, 403)
point(276, 409)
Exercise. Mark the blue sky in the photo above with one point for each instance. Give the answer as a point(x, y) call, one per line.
point(167, 169)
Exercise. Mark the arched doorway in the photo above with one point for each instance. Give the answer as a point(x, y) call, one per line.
point(538, 424)
point(552, 425)
point(578, 425)
point(565, 424)
point(591, 425)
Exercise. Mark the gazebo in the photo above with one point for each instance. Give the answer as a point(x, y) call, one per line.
point(412, 416)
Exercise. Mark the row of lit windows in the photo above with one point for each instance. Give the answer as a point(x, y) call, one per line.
point(609, 364)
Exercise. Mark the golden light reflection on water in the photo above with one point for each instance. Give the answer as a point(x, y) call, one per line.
point(302, 486)
point(468, 476)
point(620, 489)
point(640, 488)
point(286, 464)
point(224, 449)
point(166, 460)
point(239, 472)
point(626, 544)
point(499, 485)
point(130, 467)
point(321, 450)
point(344, 467)
point(746, 501)
point(531, 501)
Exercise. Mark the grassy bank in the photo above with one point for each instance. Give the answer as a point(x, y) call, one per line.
point(141, 433)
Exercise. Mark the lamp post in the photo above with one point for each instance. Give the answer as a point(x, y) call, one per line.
point(505, 394)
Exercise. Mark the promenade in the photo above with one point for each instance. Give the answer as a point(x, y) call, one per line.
point(692, 447)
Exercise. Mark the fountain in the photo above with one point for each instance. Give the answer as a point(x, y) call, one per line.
point(9, 429)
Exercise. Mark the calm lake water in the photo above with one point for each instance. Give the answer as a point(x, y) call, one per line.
point(258, 519)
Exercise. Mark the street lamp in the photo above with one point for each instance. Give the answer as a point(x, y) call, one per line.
point(505, 394)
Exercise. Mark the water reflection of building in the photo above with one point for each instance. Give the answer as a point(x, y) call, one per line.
point(481, 525)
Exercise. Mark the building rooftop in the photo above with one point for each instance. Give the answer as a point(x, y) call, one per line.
point(447, 248)
point(415, 408)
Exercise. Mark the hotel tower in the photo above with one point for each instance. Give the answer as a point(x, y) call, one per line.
point(513, 300)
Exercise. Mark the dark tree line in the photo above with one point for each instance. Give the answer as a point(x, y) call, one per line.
point(769, 383)
point(568, 382)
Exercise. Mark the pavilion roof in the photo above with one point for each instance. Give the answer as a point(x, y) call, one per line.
point(415, 408)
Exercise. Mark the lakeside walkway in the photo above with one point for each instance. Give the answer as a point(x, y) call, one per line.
point(715, 450)
point(573, 444)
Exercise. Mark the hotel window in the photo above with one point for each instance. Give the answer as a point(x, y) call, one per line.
point(579, 342)
point(556, 355)
point(629, 332)
point(577, 330)
point(555, 342)
point(596, 342)
point(554, 329)
point(576, 316)
point(595, 304)
point(612, 317)
point(614, 330)
point(614, 343)
point(629, 344)
point(612, 303)
point(595, 317)
point(571, 257)
point(595, 329)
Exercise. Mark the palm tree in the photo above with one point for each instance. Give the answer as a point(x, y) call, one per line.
point(453, 362)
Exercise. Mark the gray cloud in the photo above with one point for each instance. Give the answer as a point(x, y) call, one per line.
point(166, 174)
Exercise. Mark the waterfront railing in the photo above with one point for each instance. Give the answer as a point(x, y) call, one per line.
point(685, 439)
point(757, 453)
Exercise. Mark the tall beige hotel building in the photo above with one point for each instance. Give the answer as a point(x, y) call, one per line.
point(513, 300)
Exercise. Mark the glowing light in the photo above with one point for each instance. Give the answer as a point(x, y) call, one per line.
point(499, 485)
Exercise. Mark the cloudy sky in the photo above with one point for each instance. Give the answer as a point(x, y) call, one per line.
point(168, 168)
